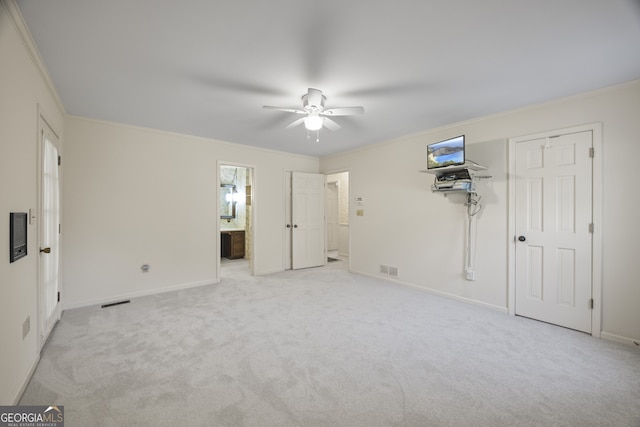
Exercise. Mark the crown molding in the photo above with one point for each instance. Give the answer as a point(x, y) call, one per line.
point(25, 35)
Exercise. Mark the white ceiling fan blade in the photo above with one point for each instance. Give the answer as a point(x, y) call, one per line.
point(343, 111)
point(296, 123)
point(286, 110)
point(330, 124)
point(314, 97)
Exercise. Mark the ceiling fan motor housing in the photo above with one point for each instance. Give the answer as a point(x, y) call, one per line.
point(313, 101)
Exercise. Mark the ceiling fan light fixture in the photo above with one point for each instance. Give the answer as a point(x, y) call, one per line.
point(313, 122)
point(313, 114)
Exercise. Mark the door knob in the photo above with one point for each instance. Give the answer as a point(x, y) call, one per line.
point(288, 225)
point(295, 225)
point(522, 238)
point(45, 250)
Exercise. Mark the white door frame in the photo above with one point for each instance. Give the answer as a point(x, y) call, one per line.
point(254, 208)
point(328, 216)
point(337, 171)
point(596, 252)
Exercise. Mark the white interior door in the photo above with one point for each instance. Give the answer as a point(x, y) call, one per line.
point(288, 224)
point(333, 224)
point(307, 217)
point(48, 234)
point(553, 217)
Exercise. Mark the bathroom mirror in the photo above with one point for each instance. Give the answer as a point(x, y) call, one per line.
point(227, 205)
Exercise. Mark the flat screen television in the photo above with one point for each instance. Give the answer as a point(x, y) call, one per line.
point(449, 152)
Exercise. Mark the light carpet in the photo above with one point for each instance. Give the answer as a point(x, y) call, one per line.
point(323, 347)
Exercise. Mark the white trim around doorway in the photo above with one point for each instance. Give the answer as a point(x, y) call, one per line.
point(253, 222)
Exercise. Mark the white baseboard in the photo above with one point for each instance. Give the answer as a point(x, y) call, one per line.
point(25, 381)
point(439, 293)
point(620, 339)
point(138, 294)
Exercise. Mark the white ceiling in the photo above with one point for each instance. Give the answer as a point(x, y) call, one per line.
point(206, 68)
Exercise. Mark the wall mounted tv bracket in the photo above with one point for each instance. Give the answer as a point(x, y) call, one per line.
point(460, 178)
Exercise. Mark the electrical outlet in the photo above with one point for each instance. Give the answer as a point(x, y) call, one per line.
point(26, 327)
point(471, 275)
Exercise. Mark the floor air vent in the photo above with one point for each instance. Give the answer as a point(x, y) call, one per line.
point(115, 303)
point(389, 271)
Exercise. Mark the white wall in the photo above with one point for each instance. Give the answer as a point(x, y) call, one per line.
point(133, 196)
point(237, 176)
point(23, 93)
point(138, 196)
point(423, 234)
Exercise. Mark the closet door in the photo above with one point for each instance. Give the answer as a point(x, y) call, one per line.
point(553, 246)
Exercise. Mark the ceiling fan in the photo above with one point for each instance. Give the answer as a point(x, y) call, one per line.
point(315, 115)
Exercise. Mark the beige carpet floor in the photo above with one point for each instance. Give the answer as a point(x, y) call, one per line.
point(323, 347)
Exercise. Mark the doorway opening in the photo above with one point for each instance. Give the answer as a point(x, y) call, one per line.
point(337, 214)
point(236, 212)
point(316, 219)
